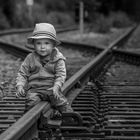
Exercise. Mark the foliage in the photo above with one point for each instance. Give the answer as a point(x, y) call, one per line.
point(4, 24)
point(16, 13)
point(21, 18)
point(39, 13)
point(60, 18)
point(56, 5)
point(120, 19)
point(102, 24)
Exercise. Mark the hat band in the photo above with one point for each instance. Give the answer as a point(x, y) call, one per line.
point(44, 33)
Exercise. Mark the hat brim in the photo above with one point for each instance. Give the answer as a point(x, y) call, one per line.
point(31, 39)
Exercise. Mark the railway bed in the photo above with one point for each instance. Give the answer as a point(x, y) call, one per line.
point(120, 88)
point(123, 100)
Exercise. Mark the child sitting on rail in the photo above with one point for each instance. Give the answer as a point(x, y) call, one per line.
point(43, 71)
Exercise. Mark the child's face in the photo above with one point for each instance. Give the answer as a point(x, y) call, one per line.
point(43, 46)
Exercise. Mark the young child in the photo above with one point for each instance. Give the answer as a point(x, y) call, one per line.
point(43, 72)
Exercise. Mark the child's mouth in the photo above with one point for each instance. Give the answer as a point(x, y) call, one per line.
point(43, 51)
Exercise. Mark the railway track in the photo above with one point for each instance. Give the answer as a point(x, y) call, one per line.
point(84, 91)
point(120, 90)
point(59, 29)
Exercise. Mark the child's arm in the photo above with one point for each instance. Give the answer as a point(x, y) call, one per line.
point(60, 74)
point(22, 76)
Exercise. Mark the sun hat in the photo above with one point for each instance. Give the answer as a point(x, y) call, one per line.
point(43, 30)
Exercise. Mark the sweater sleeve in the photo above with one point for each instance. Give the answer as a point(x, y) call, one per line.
point(23, 73)
point(60, 73)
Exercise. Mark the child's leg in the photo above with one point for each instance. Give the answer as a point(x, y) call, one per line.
point(32, 99)
point(61, 103)
point(65, 108)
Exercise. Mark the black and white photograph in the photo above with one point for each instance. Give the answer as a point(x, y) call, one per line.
point(69, 70)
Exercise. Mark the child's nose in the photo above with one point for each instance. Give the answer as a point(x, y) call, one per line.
point(42, 46)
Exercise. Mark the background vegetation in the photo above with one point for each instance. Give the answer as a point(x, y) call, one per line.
point(16, 13)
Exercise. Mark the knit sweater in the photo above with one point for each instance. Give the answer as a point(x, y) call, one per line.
point(39, 72)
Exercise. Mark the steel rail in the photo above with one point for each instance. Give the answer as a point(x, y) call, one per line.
point(126, 53)
point(17, 130)
point(59, 29)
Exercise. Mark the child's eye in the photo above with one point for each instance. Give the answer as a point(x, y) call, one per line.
point(46, 43)
point(38, 43)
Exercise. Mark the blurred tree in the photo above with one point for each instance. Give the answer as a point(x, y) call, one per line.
point(90, 9)
point(8, 8)
point(14, 13)
point(4, 23)
point(55, 5)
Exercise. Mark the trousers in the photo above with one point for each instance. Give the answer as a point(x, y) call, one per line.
point(36, 95)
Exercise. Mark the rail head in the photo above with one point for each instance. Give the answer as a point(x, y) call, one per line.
point(24, 123)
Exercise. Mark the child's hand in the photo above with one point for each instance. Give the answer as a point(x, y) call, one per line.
point(55, 91)
point(20, 91)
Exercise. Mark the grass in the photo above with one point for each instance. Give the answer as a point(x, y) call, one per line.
point(103, 24)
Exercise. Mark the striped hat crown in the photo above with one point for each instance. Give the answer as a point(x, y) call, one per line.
point(43, 30)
